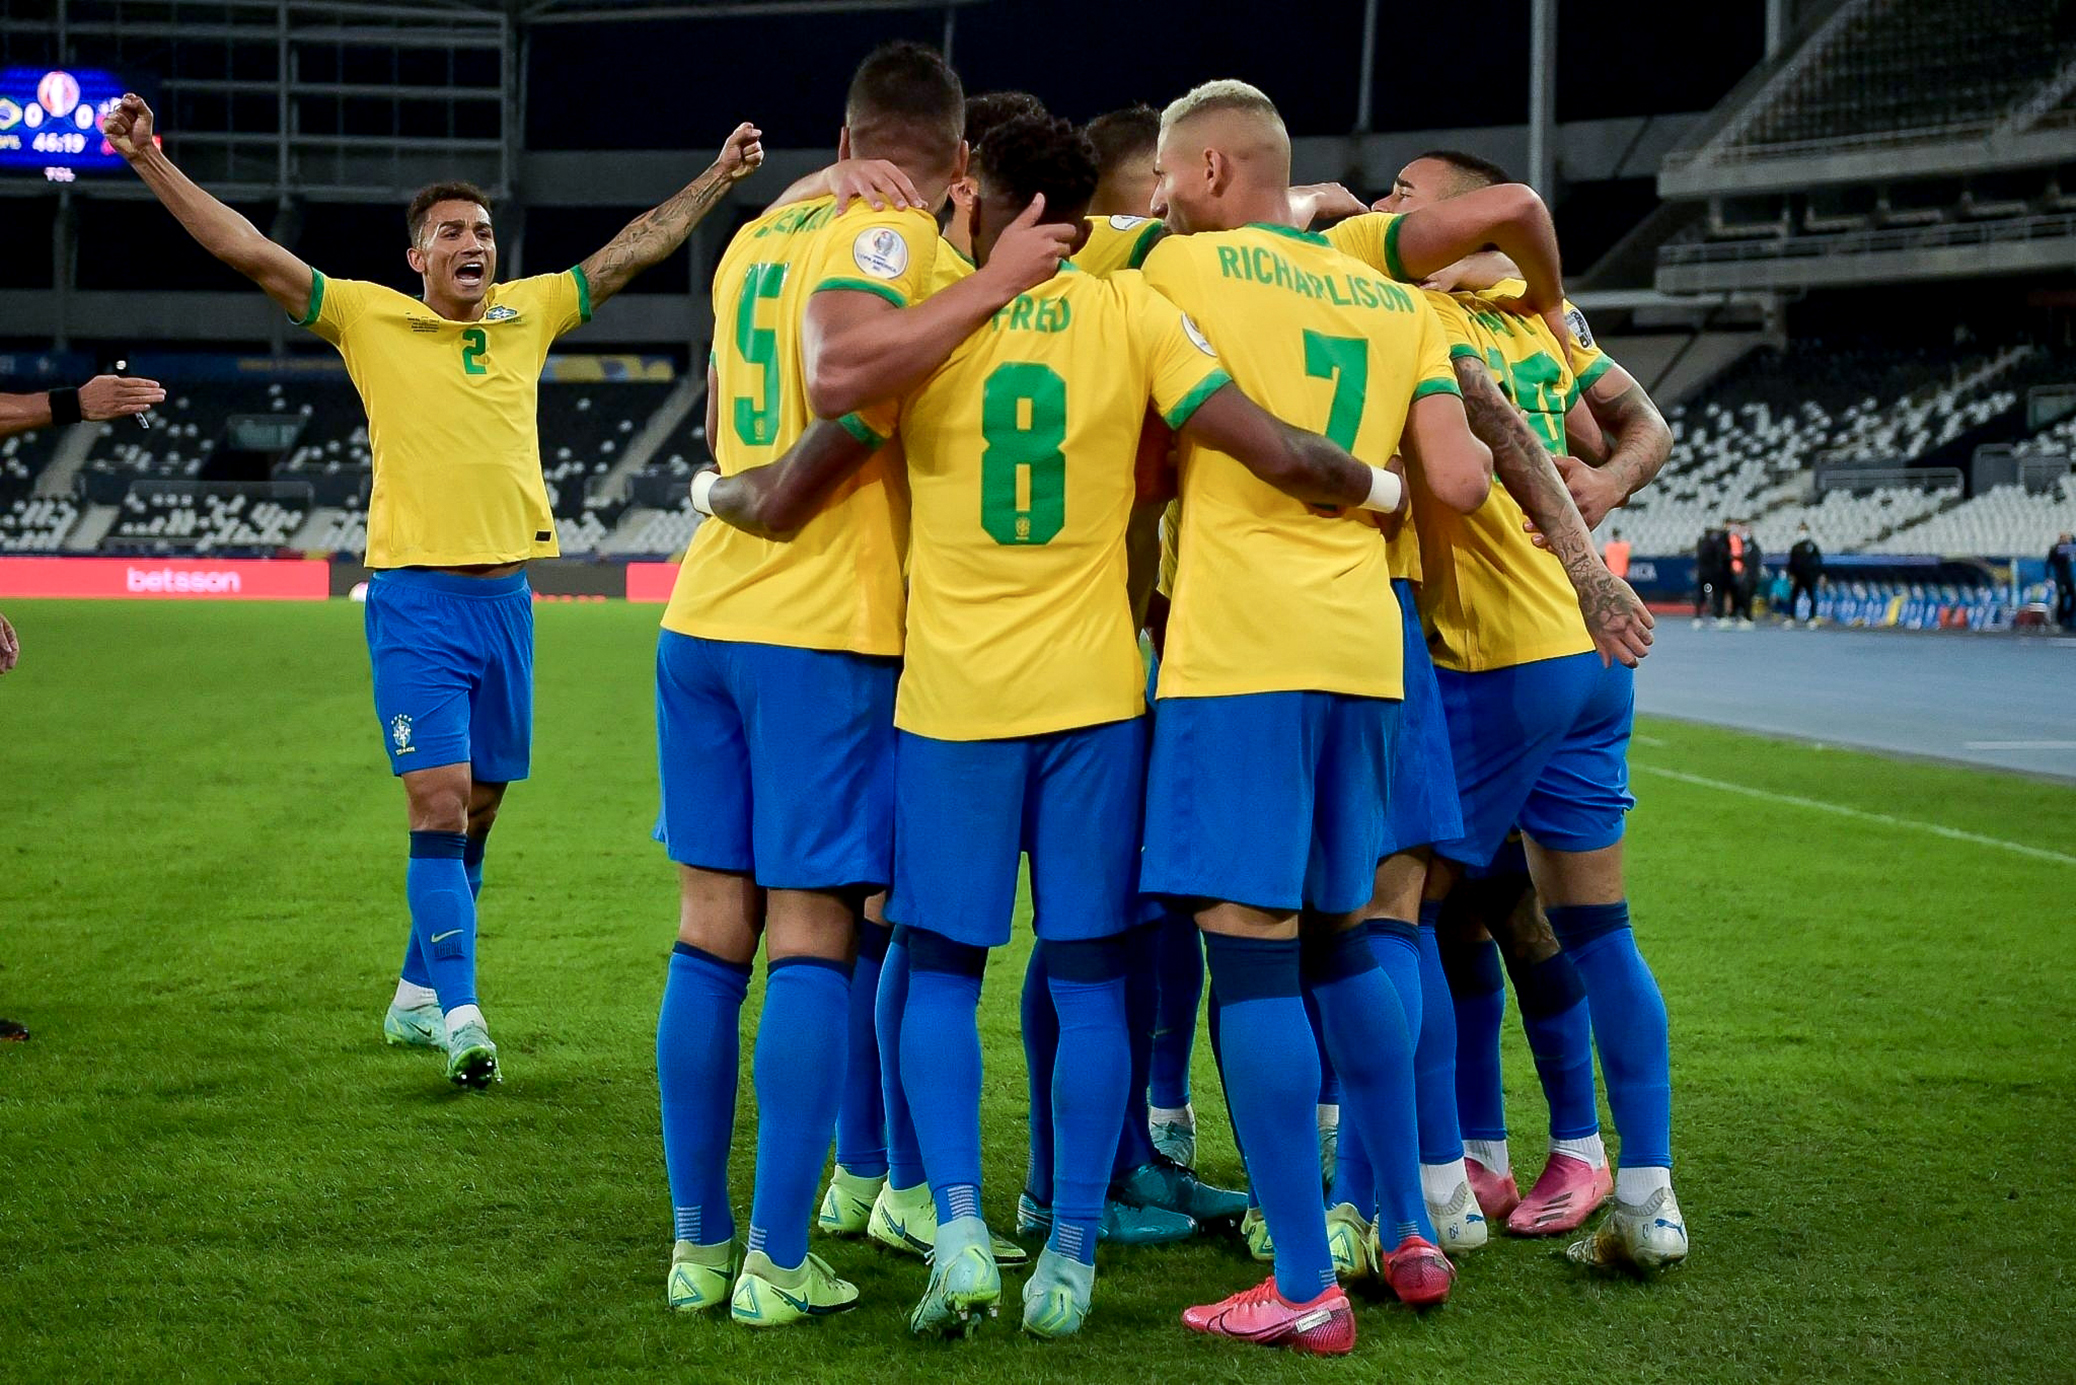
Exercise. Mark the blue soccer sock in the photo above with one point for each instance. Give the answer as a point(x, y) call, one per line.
point(1365, 1028)
point(1628, 1014)
point(1215, 1030)
point(1478, 991)
point(443, 915)
point(1329, 1081)
point(698, 1051)
point(1355, 1180)
point(861, 1124)
point(940, 1064)
point(1179, 962)
point(1137, 959)
point(801, 1038)
point(415, 969)
point(1090, 1082)
point(1396, 946)
point(1272, 1080)
point(1434, 1052)
point(1041, 1025)
point(904, 1158)
point(1560, 1034)
point(472, 862)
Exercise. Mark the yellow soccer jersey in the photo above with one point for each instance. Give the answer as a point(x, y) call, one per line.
point(1021, 457)
point(1271, 596)
point(453, 415)
point(1491, 598)
point(837, 584)
point(1118, 242)
point(1171, 539)
point(1587, 361)
point(950, 266)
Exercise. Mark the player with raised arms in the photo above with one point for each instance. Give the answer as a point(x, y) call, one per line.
point(1279, 692)
point(1020, 711)
point(450, 381)
point(775, 673)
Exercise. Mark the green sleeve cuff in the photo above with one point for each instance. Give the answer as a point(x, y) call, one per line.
point(1191, 402)
point(1594, 372)
point(309, 319)
point(1459, 349)
point(1392, 264)
point(886, 291)
point(1143, 247)
point(1427, 387)
point(860, 429)
point(576, 272)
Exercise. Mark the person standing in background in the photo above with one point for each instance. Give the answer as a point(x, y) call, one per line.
point(1616, 555)
point(1806, 571)
point(1754, 573)
point(1711, 571)
point(2061, 565)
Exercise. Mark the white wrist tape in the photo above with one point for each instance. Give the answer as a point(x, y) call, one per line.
point(1385, 491)
point(702, 485)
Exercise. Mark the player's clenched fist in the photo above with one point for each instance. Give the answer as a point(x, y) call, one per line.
point(129, 126)
point(742, 153)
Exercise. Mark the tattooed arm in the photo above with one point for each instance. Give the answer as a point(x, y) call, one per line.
point(661, 230)
point(1636, 439)
point(1615, 617)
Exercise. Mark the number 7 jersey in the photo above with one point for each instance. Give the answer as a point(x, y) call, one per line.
point(1270, 595)
point(837, 584)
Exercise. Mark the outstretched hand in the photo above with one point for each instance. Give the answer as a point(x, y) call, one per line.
point(117, 396)
point(1317, 202)
point(129, 126)
point(741, 154)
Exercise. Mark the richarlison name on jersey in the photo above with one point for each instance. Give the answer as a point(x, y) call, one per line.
point(1256, 264)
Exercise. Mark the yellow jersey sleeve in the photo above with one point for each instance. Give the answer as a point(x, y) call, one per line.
point(890, 253)
point(1181, 365)
point(1588, 362)
point(559, 303)
point(1434, 372)
point(336, 305)
point(1118, 242)
point(1371, 237)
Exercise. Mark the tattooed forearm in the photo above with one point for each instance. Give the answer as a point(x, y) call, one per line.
point(653, 235)
point(1641, 441)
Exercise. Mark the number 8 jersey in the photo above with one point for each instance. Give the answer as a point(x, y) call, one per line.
point(1022, 451)
point(1270, 595)
point(837, 584)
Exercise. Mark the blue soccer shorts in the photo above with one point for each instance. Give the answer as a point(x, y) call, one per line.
point(776, 762)
point(452, 658)
point(1272, 800)
point(966, 812)
point(1422, 807)
point(1543, 747)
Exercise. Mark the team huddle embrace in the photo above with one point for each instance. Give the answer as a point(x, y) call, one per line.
point(990, 397)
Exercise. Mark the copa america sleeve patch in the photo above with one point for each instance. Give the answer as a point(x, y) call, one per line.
point(1126, 223)
point(1196, 334)
point(880, 251)
point(1576, 320)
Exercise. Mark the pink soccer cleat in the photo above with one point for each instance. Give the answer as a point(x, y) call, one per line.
point(1325, 1326)
point(1567, 1193)
point(1418, 1273)
point(1497, 1193)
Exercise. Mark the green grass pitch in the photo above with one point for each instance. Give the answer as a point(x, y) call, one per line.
point(210, 1167)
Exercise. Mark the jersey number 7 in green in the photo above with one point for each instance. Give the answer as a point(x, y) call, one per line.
point(1023, 472)
point(474, 346)
point(1346, 362)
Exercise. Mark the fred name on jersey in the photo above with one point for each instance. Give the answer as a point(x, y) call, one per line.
point(1028, 314)
point(1257, 264)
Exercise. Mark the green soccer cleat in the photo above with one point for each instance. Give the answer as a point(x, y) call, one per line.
point(1057, 1296)
point(472, 1058)
point(416, 1026)
point(1254, 1229)
point(905, 1220)
point(1033, 1218)
point(965, 1283)
point(847, 1205)
point(1122, 1224)
point(699, 1276)
point(767, 1296)
point(1161, 1182)
point(1348, 1238)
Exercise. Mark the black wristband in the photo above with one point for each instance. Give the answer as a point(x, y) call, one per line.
point(64, 405)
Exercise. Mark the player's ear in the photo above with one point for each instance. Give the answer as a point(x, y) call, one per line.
point(1081, 235)
point(413, 258)
point(843, 143)
point(1218, 171)
point(960, 164)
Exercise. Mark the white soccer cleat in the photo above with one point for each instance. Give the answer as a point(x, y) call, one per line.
point(1645, 1238)
point(1460, 1224)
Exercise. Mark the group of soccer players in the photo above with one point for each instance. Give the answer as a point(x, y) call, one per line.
point(975, 391)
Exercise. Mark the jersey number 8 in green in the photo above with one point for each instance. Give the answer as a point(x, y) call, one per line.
point(474, 345)
point(1023, 472)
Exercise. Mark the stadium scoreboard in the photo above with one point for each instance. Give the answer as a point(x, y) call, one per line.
point(50, 121)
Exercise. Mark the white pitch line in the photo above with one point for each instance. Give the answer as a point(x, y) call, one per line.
point(1655, 742)
point(2020, 745)
point(2038, 853)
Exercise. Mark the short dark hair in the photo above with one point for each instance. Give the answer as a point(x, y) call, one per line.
point(1131, 133)
point(992, 110)
point(1038, 153)
point(1474, 172)
point(431, 195)
point(905, 98)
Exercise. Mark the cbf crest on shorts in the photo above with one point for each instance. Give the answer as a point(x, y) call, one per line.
point(400, 734)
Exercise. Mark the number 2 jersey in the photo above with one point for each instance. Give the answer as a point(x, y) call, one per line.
point(1021, 453)
point(453, 415)
point(1270, 595)
point(837, 584)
